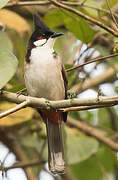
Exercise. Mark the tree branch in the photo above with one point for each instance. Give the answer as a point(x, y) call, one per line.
point(93, 132)
point(30, 3)
point(108, 29)
point(54, 105)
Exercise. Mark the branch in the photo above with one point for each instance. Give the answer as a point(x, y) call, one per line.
point(83, 108)
point(91, 61)
point(26, 3)
point(93, 132)
point(14, 109)
point(108, 29)
point(30, 3)
point(54, 105)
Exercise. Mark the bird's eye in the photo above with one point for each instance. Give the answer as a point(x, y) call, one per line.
point(40, 38)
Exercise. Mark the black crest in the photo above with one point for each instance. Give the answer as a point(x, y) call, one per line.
point(41, 29)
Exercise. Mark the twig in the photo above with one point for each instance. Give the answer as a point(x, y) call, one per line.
point(62, 5)
point(30, 3)
point(108, 29)
point(26, 3)
point(14, 109)
point(83, 108)
point(82, 3)
point(93, 132)
point(24, 164)
point(88, 6)
point(91, 61)
point(112, 14)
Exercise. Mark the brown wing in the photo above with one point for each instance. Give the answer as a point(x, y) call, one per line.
point(64, 75)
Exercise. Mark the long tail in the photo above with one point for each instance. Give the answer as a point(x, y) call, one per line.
point(56, 159)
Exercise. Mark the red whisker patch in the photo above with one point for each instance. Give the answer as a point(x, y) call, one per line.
point(40, 38)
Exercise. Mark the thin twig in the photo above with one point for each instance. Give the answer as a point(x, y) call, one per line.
point(88, 6)
point(30, 3)
point(26, 3)
point(84, 1)
point(62, 5)
point(83, 108)
point(112, 14)
point(14, 109)
point(24, 164)
point(98, 23)
point(91, 61)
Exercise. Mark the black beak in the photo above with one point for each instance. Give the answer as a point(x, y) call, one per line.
point(57, 34)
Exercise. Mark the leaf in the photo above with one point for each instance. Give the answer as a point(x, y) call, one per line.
point(8, 66)
point(3, 3)
point(104, 121)
point(78, 27)
point(96, 166)
point(18, 117)
point(92, 11)
point(6, 42)
point(13, 21)
point(79, 148)
point(54, 18)
point(37, 141)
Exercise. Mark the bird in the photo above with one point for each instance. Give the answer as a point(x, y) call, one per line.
point(45, 77)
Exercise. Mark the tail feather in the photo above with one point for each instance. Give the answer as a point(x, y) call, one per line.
point(56, 159)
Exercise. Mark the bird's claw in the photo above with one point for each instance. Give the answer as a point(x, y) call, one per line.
point(71, 95)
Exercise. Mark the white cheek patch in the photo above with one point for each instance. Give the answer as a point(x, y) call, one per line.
point(40, 42)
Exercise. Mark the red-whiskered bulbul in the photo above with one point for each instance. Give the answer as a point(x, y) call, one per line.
point(45, 77)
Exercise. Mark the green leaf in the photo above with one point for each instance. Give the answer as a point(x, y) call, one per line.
point(87, 170)
point(6, 42)
point(80, 148)
point(104, 121)
point(53, 18)
point(73, 23)
point(3, 3)
point(78, 27)
point(96, 167)
point(92, 11)
point(8, 66)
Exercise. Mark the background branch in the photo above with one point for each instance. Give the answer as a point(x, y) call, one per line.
point(93, 132)
point(91, 61)
point(108, 29)
point(92, 82)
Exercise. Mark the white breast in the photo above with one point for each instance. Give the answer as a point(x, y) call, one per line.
point(43, 77)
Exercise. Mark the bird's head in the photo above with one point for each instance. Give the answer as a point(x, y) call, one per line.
point(42, 35)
